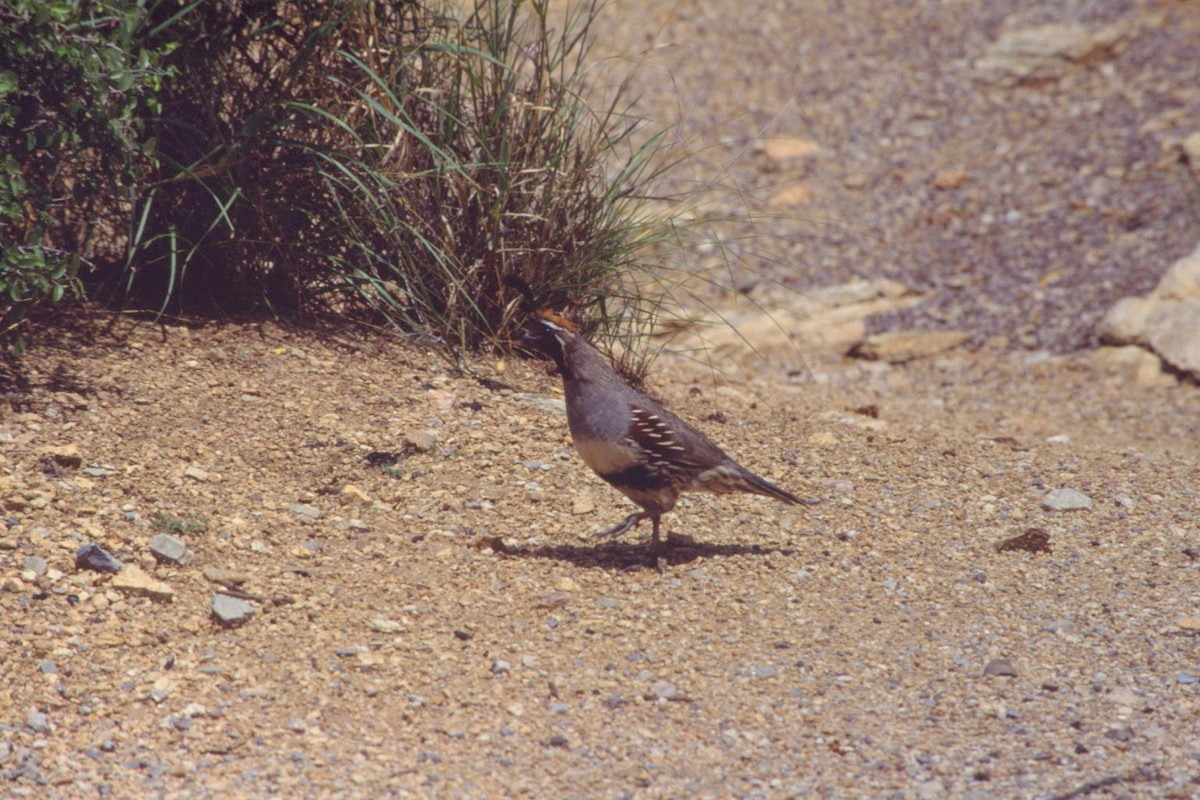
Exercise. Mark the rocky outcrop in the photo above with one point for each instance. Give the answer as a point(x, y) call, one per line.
point(1166, 321)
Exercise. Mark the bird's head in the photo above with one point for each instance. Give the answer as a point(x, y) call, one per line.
point(549, 335)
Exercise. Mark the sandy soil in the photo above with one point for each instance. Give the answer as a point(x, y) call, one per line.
point(433, 617)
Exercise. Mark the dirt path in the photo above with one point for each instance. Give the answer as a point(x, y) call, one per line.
point(448, 627)
point(1025, 211)
point(431, 616)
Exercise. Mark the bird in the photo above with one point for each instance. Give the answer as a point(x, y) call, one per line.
point(632, 441)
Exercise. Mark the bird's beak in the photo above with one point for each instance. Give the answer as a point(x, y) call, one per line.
point(531, 344)
point(527, 341)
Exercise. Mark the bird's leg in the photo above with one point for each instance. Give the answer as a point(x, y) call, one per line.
point(625, 525)
point(658, 552)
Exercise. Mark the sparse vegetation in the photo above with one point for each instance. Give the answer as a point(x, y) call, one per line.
point(384, 162)
point(78, 83)
point(169, 523)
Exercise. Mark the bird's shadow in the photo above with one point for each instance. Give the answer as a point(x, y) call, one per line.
point(624, 556)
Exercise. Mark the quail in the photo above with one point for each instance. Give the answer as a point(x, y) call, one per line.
point(632, 442)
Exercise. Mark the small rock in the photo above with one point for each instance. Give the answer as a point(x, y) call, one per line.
point(663, 690)
point(583, 503)
point(38, 722)
point(1123, 696)
point(897, 347)
point(95, 558)
point(226, 577)
point(165, 547)
point(608, 602)
point(555, 599)
point(1000, 667)
point(196, 474)
point(1044, 53)
point(856, 180)
point(66, 455)
point(35, 564)
point(132, 580)
point(1187, 678)
point(1121, 734)
point(421, 440)
point(303, 510)
point(352, 494)
point(1066, 500)
point(500, 666)
point(95, 472)
point(950, 179)
point(1189, 623)
point(1061, 626)
point(384, 625)
point(790, 148)
point(566, 585)
point(231, 611)
point(791, 196)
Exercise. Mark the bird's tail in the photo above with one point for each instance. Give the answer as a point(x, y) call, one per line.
point(757, 485)
point(736, 478)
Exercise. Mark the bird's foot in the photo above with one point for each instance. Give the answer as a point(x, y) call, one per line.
point(624, 526)
point(656, 558)
point(658, 549)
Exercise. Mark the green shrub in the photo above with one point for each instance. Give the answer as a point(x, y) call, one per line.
point(395, 162)
point(75, 82)
point(390, 162)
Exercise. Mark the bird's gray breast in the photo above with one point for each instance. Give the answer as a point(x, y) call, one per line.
point(599, 430)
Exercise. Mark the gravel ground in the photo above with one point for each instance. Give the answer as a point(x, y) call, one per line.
point(1026, 211)
point(447, 626)
point(430, 615)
